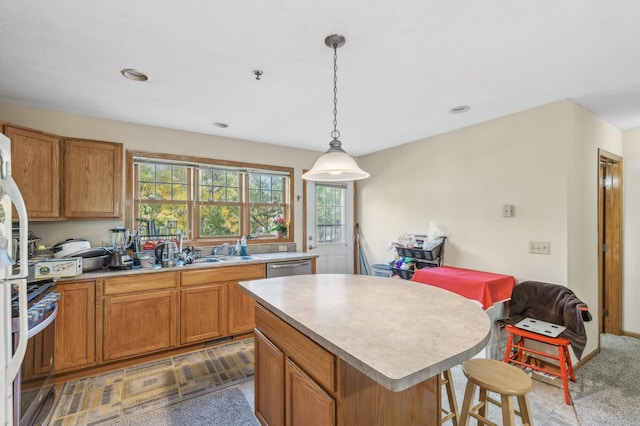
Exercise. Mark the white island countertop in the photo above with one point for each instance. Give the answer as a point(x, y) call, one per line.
point(398, 333)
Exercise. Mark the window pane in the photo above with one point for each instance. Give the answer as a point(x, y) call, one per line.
point(170, 192)
point(219, 185)
point(262, 219)
point(330, 214)
point(163, 213)
point(219, 221)
point(266, 189)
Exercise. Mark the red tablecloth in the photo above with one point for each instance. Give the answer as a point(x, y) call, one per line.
point(485, 287)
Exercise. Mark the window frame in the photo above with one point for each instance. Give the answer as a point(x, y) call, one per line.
point(193, 204)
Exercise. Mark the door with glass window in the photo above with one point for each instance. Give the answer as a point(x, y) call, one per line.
point(329, 225)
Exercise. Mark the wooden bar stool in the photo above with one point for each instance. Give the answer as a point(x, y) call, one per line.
point(506, 380)
point(452, 414)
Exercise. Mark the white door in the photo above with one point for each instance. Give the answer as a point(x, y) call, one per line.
point(329, 224)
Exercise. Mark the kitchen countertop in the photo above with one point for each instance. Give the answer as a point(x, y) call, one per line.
point(229, 261)
point(397, 332)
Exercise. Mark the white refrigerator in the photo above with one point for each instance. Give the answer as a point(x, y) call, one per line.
point(10, 360)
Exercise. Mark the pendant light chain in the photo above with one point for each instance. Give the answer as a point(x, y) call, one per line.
point(335, 134)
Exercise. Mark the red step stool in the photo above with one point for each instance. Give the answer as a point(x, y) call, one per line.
point(563, 357)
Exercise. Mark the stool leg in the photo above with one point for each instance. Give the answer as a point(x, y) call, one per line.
point(469, 393)
point(451, 396)
point(563, 373)
point(508, 415)
point(525, 413)
point(483, 398)
point(507, 353)
point(569, 364)
point(520, 347)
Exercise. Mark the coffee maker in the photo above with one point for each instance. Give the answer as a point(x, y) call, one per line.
point(121, 241)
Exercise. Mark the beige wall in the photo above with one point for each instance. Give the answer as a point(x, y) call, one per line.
point(152, 139)
point(543, 161)
point(631, 226)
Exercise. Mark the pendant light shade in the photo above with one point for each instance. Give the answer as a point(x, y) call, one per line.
point(335, 165)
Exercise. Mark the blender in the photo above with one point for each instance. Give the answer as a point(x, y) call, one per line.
point(120, 240)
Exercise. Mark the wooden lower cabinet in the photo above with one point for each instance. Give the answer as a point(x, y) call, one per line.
point(140, 315)
point(212, 304)
point(76, 325)
point(269, 381)
point(241, 310)
point(38, 359)
point(203, 313)
point(307, 403)
point(297, 382)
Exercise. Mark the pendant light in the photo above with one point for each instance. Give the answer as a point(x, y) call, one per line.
point(335, 165)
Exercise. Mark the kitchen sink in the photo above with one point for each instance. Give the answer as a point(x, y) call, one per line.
point(208, 259)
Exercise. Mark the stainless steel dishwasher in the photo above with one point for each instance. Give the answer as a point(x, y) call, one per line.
point(283, 269)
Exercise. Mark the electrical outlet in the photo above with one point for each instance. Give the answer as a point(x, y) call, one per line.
point(539, 247)
point(282, 248)
point(507, 210)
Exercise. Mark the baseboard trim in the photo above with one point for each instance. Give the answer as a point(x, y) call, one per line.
point(631, 334)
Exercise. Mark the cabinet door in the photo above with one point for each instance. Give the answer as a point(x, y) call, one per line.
point(75, 325)
point(269, 382)
point(36, 168)
point(306, 402)
point(242, 311)
point(92, 179)
point(45, 345)
point(203, 314)
point(139, 323)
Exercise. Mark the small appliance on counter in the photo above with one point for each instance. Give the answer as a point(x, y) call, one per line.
point(31, 244)
point(121, 241)
point(93, 258)
point(58, 268)
point(69, 246)
point(167, 253)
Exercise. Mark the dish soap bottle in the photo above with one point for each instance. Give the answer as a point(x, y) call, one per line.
point(237, 249)
point(243, 246)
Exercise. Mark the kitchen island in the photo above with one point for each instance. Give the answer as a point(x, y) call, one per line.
point(352, 349)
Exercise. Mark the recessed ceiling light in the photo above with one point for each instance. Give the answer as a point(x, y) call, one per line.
point(459, 109)
point(134, 75)
point(221, 125)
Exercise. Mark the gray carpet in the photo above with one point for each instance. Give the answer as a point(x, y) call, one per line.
point(607, 389)
point(223, 408)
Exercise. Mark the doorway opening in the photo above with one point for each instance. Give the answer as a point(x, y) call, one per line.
point(610, 242)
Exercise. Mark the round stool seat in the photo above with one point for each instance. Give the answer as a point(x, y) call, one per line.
point(497, 376)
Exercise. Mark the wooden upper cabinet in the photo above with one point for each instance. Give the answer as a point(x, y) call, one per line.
point(36, 160)
point(92, 179)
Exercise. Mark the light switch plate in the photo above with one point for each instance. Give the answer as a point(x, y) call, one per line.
point(282, 248)
point(540, 247)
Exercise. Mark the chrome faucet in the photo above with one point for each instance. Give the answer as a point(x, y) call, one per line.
point(217, 249)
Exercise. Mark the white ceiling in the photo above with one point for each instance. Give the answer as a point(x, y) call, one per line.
point(404, 65)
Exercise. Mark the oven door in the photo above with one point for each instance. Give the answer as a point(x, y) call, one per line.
point(33, 388)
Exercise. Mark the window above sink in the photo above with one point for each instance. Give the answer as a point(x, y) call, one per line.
point(207, 200)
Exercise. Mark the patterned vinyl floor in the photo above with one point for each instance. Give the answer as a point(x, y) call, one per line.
point(98, 400)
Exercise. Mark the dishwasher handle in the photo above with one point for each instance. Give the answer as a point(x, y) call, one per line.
point(288, 265)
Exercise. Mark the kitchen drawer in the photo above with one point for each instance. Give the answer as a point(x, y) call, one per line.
point(311, 357)
point(222, 274)
point(140, 282)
